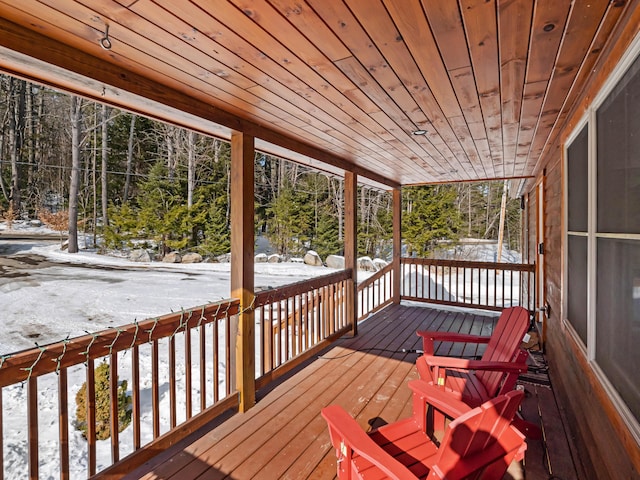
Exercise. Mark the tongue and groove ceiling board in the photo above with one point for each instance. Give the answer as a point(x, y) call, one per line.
point(337, 84)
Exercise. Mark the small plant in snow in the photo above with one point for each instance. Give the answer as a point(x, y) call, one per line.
point(103, 405)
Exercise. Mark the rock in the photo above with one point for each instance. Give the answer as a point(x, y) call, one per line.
point(224, 258)
point(139, 255)
point(35, 223)
point(366, 264)
point(260, 258)
point(172, 257)
point(335, 261)
point(312, 258)
point(192, 257)
point(380, 263)
point(275, 258)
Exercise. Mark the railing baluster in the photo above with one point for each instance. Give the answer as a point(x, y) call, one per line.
point(135, 395)
point(113, 396)
point(32, 412)
point(203, 367)
point(155, 389)
point(228, 355)
point(63, 415)
point(91, 416)
point(279, 330)
point(188, 373)
point(172, 382)
point(216, 356)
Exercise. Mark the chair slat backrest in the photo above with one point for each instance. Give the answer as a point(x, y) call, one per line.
point(480, 439)
point(504, 344)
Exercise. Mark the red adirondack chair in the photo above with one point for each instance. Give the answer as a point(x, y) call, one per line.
point(496, 373)
point(479, 444)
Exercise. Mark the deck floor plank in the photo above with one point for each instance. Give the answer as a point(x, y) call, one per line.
point(284, 436)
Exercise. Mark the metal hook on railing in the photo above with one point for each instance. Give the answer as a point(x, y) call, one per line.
point(105, 42)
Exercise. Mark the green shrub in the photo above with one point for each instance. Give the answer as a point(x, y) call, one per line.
point(103, 405)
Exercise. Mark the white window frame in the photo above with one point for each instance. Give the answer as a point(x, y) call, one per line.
point(589, 350)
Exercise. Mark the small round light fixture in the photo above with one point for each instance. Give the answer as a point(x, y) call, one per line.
point(419, 132)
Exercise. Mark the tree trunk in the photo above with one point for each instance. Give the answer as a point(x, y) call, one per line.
point(103, 174)
point(16, 133)
point(127, 183)
point(74, 185)
point(170, 154)
point(191, 168)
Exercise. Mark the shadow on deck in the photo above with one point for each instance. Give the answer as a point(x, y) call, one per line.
point(284, 436)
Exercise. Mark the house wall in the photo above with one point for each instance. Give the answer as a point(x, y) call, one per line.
point(603, 442)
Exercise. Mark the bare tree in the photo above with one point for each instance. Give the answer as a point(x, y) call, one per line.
point(74, 184)
point(127, 183)
point(105, 154)
point(16, 133)
point(191, 167)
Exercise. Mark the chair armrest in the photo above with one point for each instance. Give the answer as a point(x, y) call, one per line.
point(353, 438)
point(465, 364)
point(447, 402)
point(428, 337)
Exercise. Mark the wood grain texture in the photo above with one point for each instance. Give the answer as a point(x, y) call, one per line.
point(343, 83)
point(284, 436)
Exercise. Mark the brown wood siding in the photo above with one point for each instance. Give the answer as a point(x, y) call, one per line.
point(596, 427)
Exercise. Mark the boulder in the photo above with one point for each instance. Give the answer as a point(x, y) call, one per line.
point(192, 257)
point(139, 255)
point(172, 257)
point(380, 263)
point(312, 258)
point(224, 258)
point(366, 264)
point(275, 258)
point(335, 261)
point(260, 258)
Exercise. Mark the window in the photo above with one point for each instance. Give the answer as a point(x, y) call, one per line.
point(603, 237)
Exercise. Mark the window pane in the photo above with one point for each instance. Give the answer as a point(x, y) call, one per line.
point(618, 317)
point(577, 178)
point(618, 126)
point(577, 285)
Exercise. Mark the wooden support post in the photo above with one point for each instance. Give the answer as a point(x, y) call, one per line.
point(351, 245)
point(397, 244)
point(242, 232)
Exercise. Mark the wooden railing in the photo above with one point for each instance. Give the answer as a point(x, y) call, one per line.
point(297, 320)
point(376, 292)
point(180, 368)
point(175, 370)
point(485, 285)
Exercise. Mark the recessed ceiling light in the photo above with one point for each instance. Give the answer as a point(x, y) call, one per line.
point(419, 132)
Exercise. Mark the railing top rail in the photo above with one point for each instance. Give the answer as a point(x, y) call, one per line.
point(518, 267)
point(265, 297)
point(20, 366)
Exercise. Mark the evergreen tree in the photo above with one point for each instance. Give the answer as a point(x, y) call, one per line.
point(163, 214)
point(430, 214)
point(290, 220)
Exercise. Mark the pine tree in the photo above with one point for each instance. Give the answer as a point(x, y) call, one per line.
point(430, 215)
point(103, 405)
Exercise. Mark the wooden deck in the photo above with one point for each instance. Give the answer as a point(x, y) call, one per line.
point(284, 436)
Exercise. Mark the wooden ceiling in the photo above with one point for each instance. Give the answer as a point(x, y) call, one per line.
point(344, 82)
